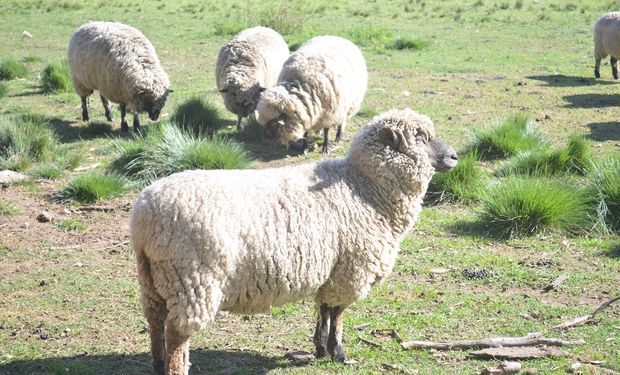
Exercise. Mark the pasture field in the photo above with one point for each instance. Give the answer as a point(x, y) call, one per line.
point(69, 297)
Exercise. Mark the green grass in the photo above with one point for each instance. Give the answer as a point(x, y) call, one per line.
point(8, 209)
point(56, 78)
point(515, 134)
point(168, 149)
point(92, 186)
point(605, 183)
point(46, 171)
point(4, 89)
point(198, 116)
point(463, 183)
point(70, 225)
point(10, 68)
point(24, 139)
point(410, 43)
point(527, 206)
point(371, 36)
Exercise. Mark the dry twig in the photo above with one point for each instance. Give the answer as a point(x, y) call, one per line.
point(532, 339)
point(586, 318)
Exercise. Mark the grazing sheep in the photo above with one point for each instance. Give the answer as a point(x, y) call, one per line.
point(119, 62)
point(321, 85)
point(607, 42)
point(246, 240)
point(246, 66)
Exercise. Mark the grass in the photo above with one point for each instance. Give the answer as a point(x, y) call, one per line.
point(8, 209)
point(527, 206)
point(4, 89)
point(10, 68)
point(463, 183)
point(515, 134)
point(56, 78)
point(605, 183)
point(71, 225)
point(371, 36)
point(198, 116)
point(410, 43)
point(168, 149)
point(24, 138)
point(92, 186)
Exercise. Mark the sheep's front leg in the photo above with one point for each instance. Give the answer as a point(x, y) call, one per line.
point(177, 347)
point(334, 342)
point(136, 122)
point(239, 127)
point(597, 67)
point(325, 150)
point(84, 108)
point(614, 66)
point(321, 333)
point(124, 125)
point(339, 133)
point(106, 107)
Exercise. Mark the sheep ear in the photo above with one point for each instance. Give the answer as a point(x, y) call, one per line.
point(261, 88)
point(393, 138)
point(170, 90)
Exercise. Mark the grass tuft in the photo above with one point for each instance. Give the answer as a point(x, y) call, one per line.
point(463, 183)
point(526, 206)
point(198, 116)
point(605, 184)
point(4, 89)
point(409, 43)
point(56, 78)
point(11, 68)
point(168, 149)
point(70, 225)
point(93, 186)
point(8, 209)
point(24, 138)
point(371, 36)
point(48, 171)
point(515, 134)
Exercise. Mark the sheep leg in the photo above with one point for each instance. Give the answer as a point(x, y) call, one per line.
point(136, 122)
point(84, 108)
point(321, 333)
point(177, 356)
point(325, 149)
point(334, 342)
point(239, 127)
point(106, 107)
point(339, 133)
point(597, 67)
point(124, 125)
point(156, 312)
point(614, 66)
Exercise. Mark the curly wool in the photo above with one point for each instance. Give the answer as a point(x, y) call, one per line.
point(321, 85)
point(246, 240)
point(251, 60)
point(119, 62)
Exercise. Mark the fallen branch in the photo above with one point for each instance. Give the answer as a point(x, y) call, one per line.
point(521, 352)
point(556, 283)
point(586, 318)
point(371, 343)
point(532, 339)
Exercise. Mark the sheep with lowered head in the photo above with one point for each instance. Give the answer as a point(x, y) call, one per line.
point(321, 85)
point(246, 66)
point(121, 63)
point(246, 240)
point(607, 42)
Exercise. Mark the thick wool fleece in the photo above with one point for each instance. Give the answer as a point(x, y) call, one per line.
point(321, 85)
point(246, 240)
point(607, 36)
point(119, 62)
point(251, 60)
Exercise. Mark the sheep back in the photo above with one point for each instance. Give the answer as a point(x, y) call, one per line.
point(119, 62)
point(607, 36)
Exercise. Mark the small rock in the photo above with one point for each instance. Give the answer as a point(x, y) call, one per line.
point(406, 93)
point(575, 367)
point(439, 270)
point(26, 34)
point(44, 283)
point(506, 367)
point(25, 226)
point(45, 217)
point(8, 177)
point(547, 117)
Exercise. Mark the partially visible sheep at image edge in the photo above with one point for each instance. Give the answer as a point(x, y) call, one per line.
point(246, 240)
point(607, 42)
point(246, 66)
point(321, 86)
point(121, 63)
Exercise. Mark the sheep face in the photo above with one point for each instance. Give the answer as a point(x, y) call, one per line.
point(241, 101)
point(146, 101)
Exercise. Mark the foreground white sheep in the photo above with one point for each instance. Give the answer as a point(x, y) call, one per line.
point(246, 66)
point(321, 85)
point(121, 63)
point(246, 240)
point(607, 42)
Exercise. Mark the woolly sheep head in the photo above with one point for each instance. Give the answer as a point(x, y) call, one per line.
point(282, 113)
point(150, 102)
point(241, 100)
point(401, 144)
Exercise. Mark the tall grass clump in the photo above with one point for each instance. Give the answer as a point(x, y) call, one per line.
point(574, 158)
point(198, 116)
point(515, 134)
point(56, 78)
point(24, 138)
point(409, 43)
point(11, 68)
point(8, 209)
point(605, 184)
point(4, 89)
point(371, 36)
point(169, 149)
point(463, 183)
point(526, 206)
point(91, 186)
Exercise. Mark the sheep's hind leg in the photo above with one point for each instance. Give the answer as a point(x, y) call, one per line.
point(177, 346)
point(124, 125)
point(597, 68)
point(614, 66)
point(84, 108)
point(339, 133)
point(155, 311)
point(239, 127)
point(106, 107)
point(136, 122)
point(334, 342)
point(325, 149)
point(321, 333)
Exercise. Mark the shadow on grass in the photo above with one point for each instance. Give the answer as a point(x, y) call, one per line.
point(613, 251)
point(474, 229)
point(560, 80)
point(74, 131)
point(604, 131)
point(203, 362)
point(592, 100)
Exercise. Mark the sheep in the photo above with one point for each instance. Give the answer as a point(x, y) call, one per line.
point(607, 42)
point(121, 63)
point(246, 66)
point(321, 85)
point(246, 240)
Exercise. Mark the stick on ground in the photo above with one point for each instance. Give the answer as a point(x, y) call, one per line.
point(532, 339)
point(586, 318)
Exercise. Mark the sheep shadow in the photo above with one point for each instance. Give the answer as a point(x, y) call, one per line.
point(74, 131)
point(613, 251)
point(592, 100)
point(561, 80)
point(604, 131)
point(203, 362)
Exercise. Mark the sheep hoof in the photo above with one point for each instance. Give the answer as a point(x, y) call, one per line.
point(158, 367)
point(339, 356)
point(124, 127)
